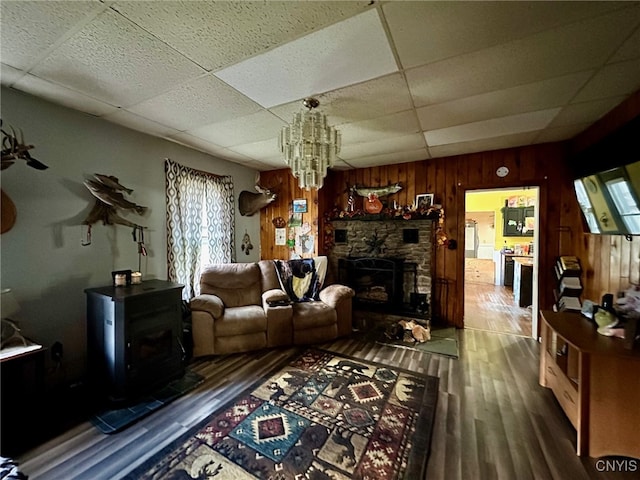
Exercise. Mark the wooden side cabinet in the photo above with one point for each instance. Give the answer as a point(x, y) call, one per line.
point(596, 382)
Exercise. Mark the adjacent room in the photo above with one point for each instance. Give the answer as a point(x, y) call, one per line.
point(320, 239)
point(500, 235)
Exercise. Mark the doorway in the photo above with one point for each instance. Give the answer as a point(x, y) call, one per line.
point(500, 272)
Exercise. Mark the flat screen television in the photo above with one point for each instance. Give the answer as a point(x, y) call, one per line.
point(610, 200)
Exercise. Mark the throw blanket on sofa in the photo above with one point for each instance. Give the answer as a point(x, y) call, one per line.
point(302, 279)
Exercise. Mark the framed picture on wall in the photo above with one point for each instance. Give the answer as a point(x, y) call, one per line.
point(424, 200)
point(300, 205)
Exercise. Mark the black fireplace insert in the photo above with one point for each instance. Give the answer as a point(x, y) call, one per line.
point(375, 280)
point(385, 284)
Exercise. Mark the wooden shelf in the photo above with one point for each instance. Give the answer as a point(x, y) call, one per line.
point(568, 288)
point(595, 380)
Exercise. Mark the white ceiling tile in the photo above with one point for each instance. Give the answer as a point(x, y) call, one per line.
point(354, 50)
point(464, 76)
point(261, 167)
point(258, 150)
point(558, 134)
point(29, 29)
point(580, 46)
point(585, 112)
point(614, 79)
point(130, 120)
point(483, 145)
point(394, 125)
point(341, 165)
point(375, 98)
point(117, 62)
point(210, 148)
point(390, 158)
point(379, 147)
point(425, 32)
point(524, 122)
point(524, 98)
point(63, 96)
point(214, 34)
point(197, 143)
point(274, 162)
point(199, 102)
point(237, 157)
point(258, 126)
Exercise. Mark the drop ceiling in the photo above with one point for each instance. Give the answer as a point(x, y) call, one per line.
point(402, 81)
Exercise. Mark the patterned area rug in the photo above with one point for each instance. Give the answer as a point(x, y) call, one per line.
point(321, 417)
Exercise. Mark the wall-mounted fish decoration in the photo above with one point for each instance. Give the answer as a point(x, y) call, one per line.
point(112, 197)
point(107, 190)
point(112, 182)
point(378, 191)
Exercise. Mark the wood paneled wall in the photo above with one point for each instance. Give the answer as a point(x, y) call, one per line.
point(286, 186)
point(610, 262)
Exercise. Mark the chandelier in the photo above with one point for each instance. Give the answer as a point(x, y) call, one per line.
point(309, 145)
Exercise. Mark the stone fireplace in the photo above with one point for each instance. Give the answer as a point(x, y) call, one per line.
point(389, 263)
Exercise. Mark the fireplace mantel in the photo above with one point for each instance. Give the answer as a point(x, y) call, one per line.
point(383, 217)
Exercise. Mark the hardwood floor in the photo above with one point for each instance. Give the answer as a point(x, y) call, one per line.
point(493, 420)
point(493, 308)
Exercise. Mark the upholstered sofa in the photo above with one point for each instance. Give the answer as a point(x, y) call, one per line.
point(243, 307)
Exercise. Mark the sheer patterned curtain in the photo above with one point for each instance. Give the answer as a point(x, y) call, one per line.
point(200, 223)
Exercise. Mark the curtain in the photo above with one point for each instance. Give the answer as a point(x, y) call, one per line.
point(200, 223)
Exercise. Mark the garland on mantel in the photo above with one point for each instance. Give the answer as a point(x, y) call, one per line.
point(403, 213)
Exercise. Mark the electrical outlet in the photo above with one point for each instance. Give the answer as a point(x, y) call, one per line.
point(56, 352)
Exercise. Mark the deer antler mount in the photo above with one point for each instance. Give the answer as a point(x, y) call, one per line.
point(14, 148)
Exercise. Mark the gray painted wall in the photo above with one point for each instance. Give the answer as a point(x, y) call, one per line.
point(43, 261)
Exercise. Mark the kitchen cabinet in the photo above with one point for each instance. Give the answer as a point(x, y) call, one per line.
point(508, 267)
point(515, 221)
point(523, 281)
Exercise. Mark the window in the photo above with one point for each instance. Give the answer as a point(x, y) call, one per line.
point(585, 205)
point(200, 223)
point(625, 204)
